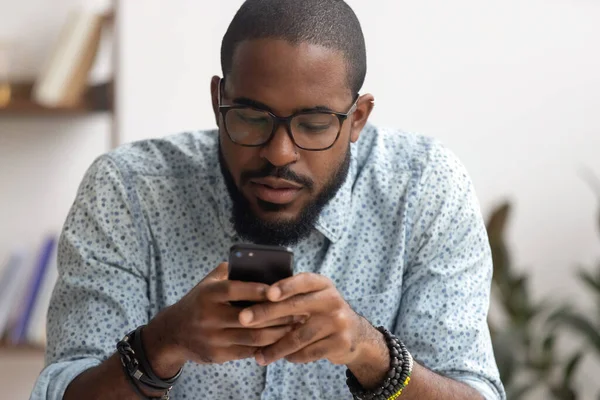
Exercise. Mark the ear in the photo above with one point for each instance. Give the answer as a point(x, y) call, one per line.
point(214, 93)
point(359, 118)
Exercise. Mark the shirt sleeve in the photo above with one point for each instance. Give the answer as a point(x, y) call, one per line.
point(101, 291)
point(446, 286)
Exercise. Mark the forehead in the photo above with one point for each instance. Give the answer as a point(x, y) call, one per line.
point(289, 76)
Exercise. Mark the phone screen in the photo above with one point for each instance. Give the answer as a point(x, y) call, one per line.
point(256, 263)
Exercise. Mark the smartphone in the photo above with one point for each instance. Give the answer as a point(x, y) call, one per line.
point(258, 263)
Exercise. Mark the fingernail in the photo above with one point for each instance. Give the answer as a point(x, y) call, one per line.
point(246, 316)
point(260, 359)
point(275, 293)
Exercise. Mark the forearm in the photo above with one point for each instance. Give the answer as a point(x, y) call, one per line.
point(108, 380)
point(373, 364)
point(105, 381)
point(425, 384)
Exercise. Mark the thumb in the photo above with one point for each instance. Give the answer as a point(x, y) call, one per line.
point(220, 273)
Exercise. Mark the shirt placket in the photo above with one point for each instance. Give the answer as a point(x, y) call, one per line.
point(274, 381)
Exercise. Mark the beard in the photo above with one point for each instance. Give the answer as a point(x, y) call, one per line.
point(282, 232)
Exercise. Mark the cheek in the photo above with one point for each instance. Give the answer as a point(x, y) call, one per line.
point(323, 165)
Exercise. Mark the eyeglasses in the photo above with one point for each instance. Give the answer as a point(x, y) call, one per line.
point(309, 130)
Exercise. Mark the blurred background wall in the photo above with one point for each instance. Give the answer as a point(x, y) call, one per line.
point(511, 86)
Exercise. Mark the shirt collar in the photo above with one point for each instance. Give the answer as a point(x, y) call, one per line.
point(332, 221)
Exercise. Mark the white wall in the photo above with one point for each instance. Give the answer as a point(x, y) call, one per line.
point(512, 86)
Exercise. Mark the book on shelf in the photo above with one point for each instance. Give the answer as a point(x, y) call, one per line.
point(12, 274)
point(29, 282)
point(65, 74)
point(36, 327)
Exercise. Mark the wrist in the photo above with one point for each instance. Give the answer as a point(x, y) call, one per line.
point(372, 357)
point(396, 378)
point(162, 351)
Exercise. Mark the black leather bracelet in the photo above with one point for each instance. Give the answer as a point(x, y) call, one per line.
point(138, 346)
point(136, 366)
point(137, 390)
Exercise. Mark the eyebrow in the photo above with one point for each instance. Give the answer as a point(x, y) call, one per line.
point(245, 101)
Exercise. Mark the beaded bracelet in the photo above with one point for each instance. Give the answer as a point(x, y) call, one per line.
point(397, 378)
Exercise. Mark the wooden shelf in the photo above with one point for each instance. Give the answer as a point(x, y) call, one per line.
point(20, 348)
point(97, 98)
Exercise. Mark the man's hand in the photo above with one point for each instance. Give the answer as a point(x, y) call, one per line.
point(204, 327)
point(331, 329)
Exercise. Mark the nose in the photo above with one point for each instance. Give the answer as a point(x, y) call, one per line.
point(281, 150)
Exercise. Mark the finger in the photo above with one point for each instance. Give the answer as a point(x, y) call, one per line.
point(226, 316)
point(288, 320)
point(226, 291)
point(313, 352)
point(254, 337)
point(221, 355)
point(299, 305)
point(312, 331)
point(298, 284)
point(218, 274)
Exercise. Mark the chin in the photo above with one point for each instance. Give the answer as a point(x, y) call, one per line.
point(271, 212)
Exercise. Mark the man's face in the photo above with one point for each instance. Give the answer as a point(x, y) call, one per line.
point(278, 189)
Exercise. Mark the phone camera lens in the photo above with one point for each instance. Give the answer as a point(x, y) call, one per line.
point(238, 254)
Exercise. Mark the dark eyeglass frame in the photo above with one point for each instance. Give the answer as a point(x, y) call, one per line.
point(286, 121)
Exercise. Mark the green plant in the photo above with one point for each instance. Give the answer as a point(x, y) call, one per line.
point(524, 345)
point(584, 324)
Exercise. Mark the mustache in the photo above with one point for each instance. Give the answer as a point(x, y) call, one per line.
point(269, 170)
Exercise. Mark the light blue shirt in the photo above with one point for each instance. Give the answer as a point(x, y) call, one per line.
point(403, 241)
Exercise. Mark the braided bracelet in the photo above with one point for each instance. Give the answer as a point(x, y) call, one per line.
point(397, 378)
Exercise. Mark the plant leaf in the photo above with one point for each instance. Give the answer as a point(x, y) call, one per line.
point(589, 280)
point(563, 393)
point(571, 367)
point(555, 317)
point(519, 306)
point(506, 345)
point(581, 325)
point(496, 226)
point(518, 392)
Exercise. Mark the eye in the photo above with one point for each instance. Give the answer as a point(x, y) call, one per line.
point(251, 118)
point(313, 128)
point(255, 120)
point(314, 123)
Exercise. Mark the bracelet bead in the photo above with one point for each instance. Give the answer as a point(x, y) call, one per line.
point(397, 377)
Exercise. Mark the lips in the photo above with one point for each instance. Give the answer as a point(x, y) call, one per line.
point(274, 190)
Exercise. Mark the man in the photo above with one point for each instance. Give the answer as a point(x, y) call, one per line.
point(385, 228)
